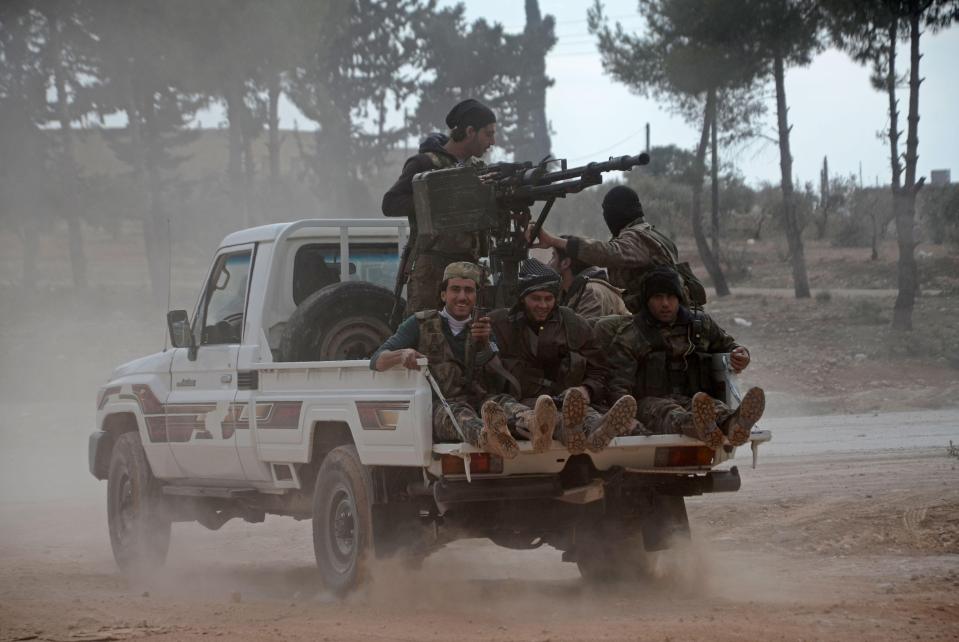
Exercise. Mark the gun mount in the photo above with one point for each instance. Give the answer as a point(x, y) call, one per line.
point(496, 200)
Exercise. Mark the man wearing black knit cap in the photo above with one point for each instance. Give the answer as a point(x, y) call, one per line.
point(663, 356)
point(635, 248)
point(550, 354)
point(472, 128)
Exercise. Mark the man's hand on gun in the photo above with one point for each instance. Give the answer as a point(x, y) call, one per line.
point(544, 239)
point(481, 330)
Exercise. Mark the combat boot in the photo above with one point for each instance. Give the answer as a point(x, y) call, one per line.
point(542, 423)
point(619, 420)
point(495, 437)
point(574, 413)
point(704, 428)
point(740, 424)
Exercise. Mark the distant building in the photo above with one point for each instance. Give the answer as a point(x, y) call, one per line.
point(939, 177)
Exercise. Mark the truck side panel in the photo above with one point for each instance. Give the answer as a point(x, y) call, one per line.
point(388, 413)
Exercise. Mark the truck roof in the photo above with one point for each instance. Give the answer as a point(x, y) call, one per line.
point(356, 227)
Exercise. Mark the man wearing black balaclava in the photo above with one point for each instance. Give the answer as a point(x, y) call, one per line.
point(636, 247)
point(472, 131)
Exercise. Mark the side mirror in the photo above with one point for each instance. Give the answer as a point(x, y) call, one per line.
point(178, 324)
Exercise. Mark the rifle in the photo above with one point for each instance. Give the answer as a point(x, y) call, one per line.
point(402, 276)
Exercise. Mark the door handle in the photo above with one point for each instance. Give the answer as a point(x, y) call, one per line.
point(227, 378)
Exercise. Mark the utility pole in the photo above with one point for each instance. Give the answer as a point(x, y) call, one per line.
point(647, 138)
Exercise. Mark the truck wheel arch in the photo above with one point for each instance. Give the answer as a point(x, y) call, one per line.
point(324, 437)
point(114, 425)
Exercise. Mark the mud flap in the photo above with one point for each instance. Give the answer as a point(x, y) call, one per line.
point(666, 521)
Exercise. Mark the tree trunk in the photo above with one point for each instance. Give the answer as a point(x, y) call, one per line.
point(790, 218)
point(823, 200)
point(69, 191)
point(273, 124)
point(906, 203)
point(156, 229)
point(709, 260)
point(138, 141)
point(714, 176)
point(235, 110)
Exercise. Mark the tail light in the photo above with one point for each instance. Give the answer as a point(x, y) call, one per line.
point(683, 456)
point(480, 463)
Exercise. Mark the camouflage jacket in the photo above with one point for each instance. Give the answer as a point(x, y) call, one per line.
point(429, 333)
point(558, 354)
point(398, 201)
point(649, 358)
point(592, 296)
point(628, 255)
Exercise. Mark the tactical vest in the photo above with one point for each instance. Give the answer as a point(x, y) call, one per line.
point(663, 373)
point(554, 367)
point(447, 368)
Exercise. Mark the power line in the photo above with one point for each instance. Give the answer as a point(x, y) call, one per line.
point(613, 146)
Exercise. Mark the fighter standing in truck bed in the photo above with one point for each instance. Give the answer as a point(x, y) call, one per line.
point(472, 132)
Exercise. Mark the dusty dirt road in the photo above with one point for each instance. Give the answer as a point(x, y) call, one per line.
point(848, 529)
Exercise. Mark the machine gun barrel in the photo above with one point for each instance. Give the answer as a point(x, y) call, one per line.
point(618, 163)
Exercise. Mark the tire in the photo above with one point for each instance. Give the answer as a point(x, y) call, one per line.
point(342, 520)
point(338, 322)
point(138, 523)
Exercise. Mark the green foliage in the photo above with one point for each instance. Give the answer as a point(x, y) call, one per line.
point(938, 207)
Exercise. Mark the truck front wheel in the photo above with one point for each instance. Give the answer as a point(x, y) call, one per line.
point(139, 526)
point(342, 519)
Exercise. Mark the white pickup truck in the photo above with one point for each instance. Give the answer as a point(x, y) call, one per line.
point(266, 404)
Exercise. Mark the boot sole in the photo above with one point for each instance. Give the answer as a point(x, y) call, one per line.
point(749, 412)
point(617, 421)
point(544, 422)
point(574, 412)
point(704, 420)
point(495, 435)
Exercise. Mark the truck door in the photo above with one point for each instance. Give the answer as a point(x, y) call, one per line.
point(201, 428)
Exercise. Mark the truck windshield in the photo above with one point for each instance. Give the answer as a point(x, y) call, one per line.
point(318, 264)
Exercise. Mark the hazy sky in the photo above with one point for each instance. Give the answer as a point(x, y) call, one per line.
point(833, 109)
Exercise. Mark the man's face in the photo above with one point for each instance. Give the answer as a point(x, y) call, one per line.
point(664, 307)
point(539, 305)
point(480, 140)
point(459, 297)
point(558, 264)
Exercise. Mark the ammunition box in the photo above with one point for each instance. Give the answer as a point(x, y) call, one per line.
point(453, 201)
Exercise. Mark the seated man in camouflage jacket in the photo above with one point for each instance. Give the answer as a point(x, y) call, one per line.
point(441, 336)
point(550, 355)
point(662, 356)
point(586, 289)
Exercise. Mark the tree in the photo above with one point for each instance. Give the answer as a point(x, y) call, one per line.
point(532, 130)
point(693, 56)
point(139, 63)
point(480, 61)
point(870, 32)
point(356, 65)
point(786, 32)
point(24, 198)
point(67, 43)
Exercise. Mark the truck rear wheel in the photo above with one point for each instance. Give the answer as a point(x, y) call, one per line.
point(338, 322)
point(342, 519)
point(139, 527)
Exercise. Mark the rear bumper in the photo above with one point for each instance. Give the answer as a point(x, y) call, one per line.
point(506, 489)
